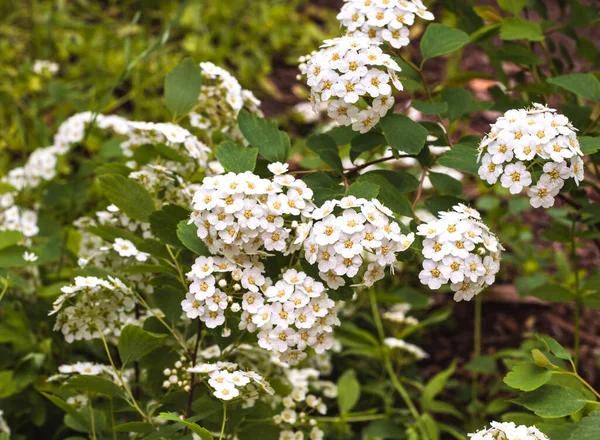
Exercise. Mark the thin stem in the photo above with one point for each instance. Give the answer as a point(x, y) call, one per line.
point(588, 386)
point(375, 312)
point(6, 283)
point(477, 343)
point(400, 388)
point(112, 420)
point(92, 419)
point(577, 335)
point(162, 321)
point(177, 267)
point(188, 410)
point(592, 124)
point(224, 420)
point(351, 418)
point(388, 362)
point(419, 188)
point(131, 402)
point(357, 168)
point(419, 69)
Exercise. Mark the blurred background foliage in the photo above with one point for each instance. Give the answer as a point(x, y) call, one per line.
point(114, 54)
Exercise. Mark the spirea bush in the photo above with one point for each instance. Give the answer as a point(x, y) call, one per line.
point(212, 276)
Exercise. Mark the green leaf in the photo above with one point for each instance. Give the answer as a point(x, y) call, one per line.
point(404, 134)
point(402, 181)
point(9, 238)
point(552, 292)
point(13, 257)
point(182, 87)
point(169, 153)
point(272, 144)
point(365, 142)
point(428, 425)
point(141, 427)
point(460, 157)
point(195, 428)
point(518, 29)
point(436, 384)
point(128, 195)
point(70, 410)
point(585, 85)
point(588, 428)
point(440, 39)
point(236, 158)
point(482, 364)
point(513, 6)
point(552, 401)
point(327, 150)
point(540, 359)
point(527, 376)
point(8, 387)
point(363, 190)
point(557, 350)
point(392, 187)
point(348, 391)
point(460, 102)
point(323, 186)
point(430, 108)
point(135, 343)
point(168, 299)
point(445, 184)
point(383, 429)
point(589, 145)
point(94, 384)
point(164, 223)
point(188, 235)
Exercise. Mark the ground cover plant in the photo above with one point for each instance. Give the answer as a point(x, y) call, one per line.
point(366, 219)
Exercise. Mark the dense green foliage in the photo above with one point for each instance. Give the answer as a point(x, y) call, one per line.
point(143, 66)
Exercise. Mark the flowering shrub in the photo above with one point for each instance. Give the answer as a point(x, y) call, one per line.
point(458, 248)
point(539, 140)
point(209, 275)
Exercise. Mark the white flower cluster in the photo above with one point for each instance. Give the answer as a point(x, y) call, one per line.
point(301, 402)
point(387, 20)
point(41, 164)
point(126, 248)
point(525, 140)
point(221, 99)
point(19, 219)
point(45, 68)
point(458, 248)
point(245, 214)
point(4, 428)
point(85, 368)
point(340, 243)
point(290, 315)
point(508, 431)
point(166, 180)
point(178, 375)
point(98, 306)
point(397, 314)
point(347, 69)
point(400, 344)
point(226, 380)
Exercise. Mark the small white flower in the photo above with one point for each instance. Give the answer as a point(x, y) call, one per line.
point(515, 177)
point(125, 248)
point(278, 168)
point(30, 257)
